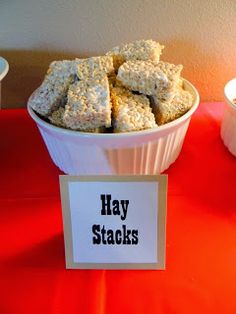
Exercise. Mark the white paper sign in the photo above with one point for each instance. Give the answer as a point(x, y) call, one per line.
point(114, 222)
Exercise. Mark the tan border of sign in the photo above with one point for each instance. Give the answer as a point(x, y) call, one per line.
point(161, 236)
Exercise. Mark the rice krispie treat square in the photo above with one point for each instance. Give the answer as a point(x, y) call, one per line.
point(94, 66)
point(150, 78)
point(88, 104)
point(137, 50)
point(52, 92)
point(167, 111)
point(130, 112)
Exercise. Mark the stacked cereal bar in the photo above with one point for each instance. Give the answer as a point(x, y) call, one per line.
point(94, 66)
point(166, 111)
point(131, 112)
point(88, 105)
point(151, 78)
point(138, 50)
point(51, 94)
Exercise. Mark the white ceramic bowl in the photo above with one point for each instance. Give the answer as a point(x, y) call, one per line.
point(228, 125)
point(143, 152)
point(4, 67)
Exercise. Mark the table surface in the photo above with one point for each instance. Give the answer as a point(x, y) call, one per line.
point(200, 273)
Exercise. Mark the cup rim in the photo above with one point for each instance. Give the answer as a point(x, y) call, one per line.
point(227, 98)
point(158, 129)
point(5, 66)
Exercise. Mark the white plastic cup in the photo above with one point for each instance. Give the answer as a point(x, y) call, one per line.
point(228, 125)
point(4, 67)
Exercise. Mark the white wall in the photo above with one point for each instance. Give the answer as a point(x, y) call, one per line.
point(199, 34)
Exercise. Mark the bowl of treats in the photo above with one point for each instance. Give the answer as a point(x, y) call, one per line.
point(125, 112)
point(228, 124)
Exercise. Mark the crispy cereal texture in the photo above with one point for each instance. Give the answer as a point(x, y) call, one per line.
point(88, 105)
point(131, 112)
point(56, 117)
point(150, 78)
point(167, 111)
point(52, 92)
point(94, 66)
point(137, 50)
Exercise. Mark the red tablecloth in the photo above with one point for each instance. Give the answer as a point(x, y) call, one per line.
point(200, 275)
